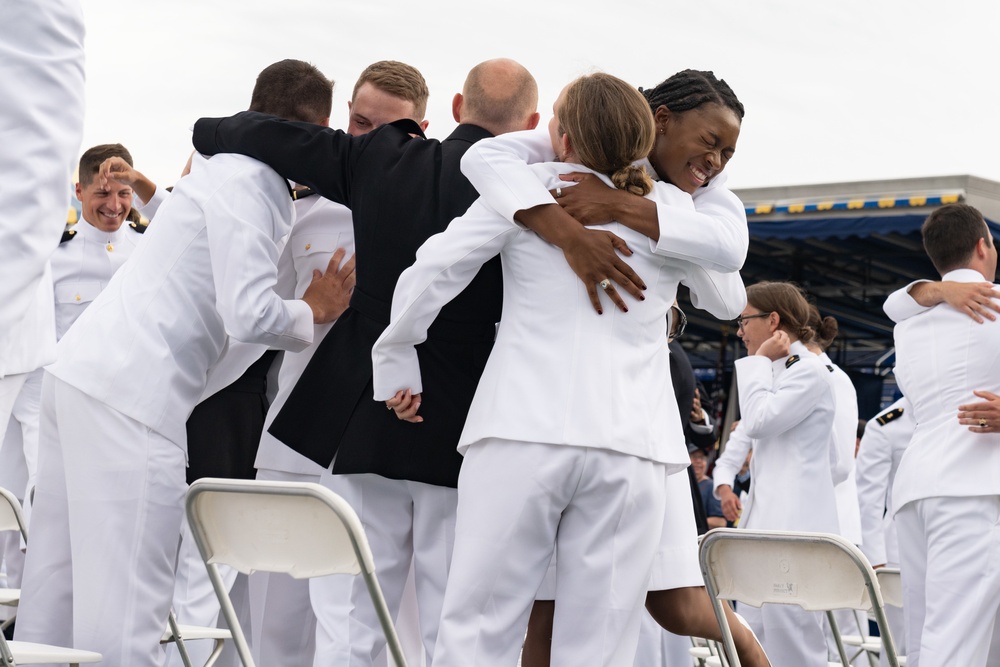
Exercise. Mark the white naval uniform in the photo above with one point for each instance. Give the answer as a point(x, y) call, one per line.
point(788, 408)
point(946, 495)
point(128, 374)
point(42, 85)
point(599, 464)
point(845, 489)
point(283, 621)
point(886, 438)
point(708, 228)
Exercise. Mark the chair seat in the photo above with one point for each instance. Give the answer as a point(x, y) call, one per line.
point(28, 653)
point(196, 632)
point(10, 596)
point(700, 652)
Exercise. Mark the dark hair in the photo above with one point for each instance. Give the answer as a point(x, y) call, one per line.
point(691, 89)
point(787, 301)
point(951, 234)
point(826, 328)
point(91, 160)
point(397, 79)
point(293, 90)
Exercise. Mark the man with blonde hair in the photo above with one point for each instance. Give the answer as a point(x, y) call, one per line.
point(402, 189)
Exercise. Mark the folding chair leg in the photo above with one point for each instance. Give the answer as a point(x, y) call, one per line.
point(178, 639)
point(385, 619)
point(840, 642)
point(216, 652)
point(239, 640)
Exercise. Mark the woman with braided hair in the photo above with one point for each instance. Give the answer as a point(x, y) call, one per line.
point(545, 467)
point(692, 217)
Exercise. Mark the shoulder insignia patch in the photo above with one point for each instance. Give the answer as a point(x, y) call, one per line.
point(791, 360)
point(138, 227)
point(889, 416)
point(68, 235)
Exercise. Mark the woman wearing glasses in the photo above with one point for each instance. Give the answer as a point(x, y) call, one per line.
point(787, 406)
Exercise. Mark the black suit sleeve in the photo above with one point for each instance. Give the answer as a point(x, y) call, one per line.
point(308, 154)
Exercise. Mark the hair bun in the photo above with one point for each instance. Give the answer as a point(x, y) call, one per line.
point(632, 179)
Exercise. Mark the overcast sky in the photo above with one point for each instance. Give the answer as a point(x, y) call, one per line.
point(839, 90)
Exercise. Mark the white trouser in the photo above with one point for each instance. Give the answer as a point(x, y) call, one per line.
point(949, 552)
point(10, 388)
point(27, 415)
point(517, 503)
point(789, 634)
point(110, 492)
point(897, 627)
point(13, 476)
point(675, 564)
point(284, 625)
point(405, 522)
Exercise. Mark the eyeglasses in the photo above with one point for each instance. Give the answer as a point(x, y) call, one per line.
point(743, 318)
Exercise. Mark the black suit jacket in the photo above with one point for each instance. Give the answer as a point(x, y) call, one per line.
point(401, 190)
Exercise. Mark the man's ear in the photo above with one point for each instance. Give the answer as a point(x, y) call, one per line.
point(423, 125)
point(456, 107)
point(79, 192)
point(533, 121)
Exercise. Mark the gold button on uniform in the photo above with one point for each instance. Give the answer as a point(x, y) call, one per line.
point(110, 247)
point(309, 245)
point(78, 297)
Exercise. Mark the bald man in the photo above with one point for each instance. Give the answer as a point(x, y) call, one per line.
point(402, 188)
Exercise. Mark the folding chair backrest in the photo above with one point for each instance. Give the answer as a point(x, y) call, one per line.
point(815, 571)
point(891, 585)
point(10, 513)
point(277, 527)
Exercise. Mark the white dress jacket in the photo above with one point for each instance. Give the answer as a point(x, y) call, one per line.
point(206, 270)
point(942, 356)
point(787, 408)
point(559, 373)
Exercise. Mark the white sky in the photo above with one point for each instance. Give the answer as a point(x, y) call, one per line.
point(839, 90)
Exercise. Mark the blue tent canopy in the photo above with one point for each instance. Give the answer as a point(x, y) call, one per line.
point(848, 245)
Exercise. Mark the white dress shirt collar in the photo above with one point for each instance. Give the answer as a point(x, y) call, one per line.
point(964, 276)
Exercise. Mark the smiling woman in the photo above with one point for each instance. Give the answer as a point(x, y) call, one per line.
point(698, 119)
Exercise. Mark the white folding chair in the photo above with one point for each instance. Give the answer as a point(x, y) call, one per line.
point(302, 529)
point(816, 571)
point(177, 634)
point(28, 653)
point(891, 585)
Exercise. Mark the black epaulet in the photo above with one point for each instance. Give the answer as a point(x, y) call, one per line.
point(829, 368)
point(138, 227)
point(791, 360)
point(889, 416)
point(68, 235)
point(302, 194)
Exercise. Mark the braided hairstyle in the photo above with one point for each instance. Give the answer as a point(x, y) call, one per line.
point(691, 89)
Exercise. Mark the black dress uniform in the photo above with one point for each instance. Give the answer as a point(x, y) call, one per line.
point(401, 188)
